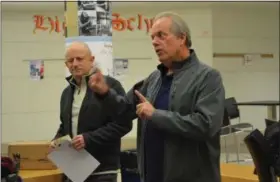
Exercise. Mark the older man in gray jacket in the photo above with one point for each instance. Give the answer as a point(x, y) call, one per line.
point(180, 108)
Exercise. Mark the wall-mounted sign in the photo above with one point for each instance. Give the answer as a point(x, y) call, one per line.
point(47, 23)
point(138, 22)
point(119, 23)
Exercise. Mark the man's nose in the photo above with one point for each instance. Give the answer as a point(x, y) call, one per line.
point(155, 42)
point(75, 62)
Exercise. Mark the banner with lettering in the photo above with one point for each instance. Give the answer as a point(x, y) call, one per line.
point(52, 24)
point(91, 22)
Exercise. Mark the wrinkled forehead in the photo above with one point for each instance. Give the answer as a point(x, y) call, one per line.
point(161, 25)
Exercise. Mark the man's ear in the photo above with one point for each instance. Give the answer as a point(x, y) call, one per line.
point(183, 38)
point(92, 58)
point(66, 64)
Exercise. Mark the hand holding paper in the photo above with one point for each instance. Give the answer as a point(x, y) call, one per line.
point(57, 142)
point(78, 142)
point(76, 164)
point(51, 147)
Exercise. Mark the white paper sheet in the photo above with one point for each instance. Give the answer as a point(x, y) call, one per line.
point(77, 165)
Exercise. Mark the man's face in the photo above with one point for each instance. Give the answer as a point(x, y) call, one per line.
point(166, 44)
point(79, 61)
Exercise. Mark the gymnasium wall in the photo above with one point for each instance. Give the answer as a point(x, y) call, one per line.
point(248, 29)
point(33, 106)
point(30, 109)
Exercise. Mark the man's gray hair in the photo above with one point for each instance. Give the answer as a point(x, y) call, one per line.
point(179, 26)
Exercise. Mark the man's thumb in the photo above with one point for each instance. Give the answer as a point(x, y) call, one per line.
point(97, 70)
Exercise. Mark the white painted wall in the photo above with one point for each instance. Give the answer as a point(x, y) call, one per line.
point(30, 110)
point(33, 107)
point(248, 30)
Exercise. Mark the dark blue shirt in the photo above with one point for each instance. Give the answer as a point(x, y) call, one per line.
point(154, 138)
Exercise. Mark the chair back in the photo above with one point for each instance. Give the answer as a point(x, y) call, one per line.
point(269, 122)
point(226, 120)
point(259, 150)
point(128, 159)
point(232, 108)
point(129, 166)
point(272, 136)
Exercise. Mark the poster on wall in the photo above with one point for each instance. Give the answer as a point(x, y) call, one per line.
point(120, 68)
point(36, 68)
point(101, 48)
point(93, 26)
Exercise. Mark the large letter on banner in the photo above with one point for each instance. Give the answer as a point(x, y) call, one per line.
point(91, 22)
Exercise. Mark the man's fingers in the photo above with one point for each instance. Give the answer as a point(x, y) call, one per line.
point(140, 96)
point(97, 73)
point(51, 148)
point(75, 141)
point(96, 77)
point(92, 84)
point(138, 106)
point(77, 144)
point(97, 70)
point(139, 110)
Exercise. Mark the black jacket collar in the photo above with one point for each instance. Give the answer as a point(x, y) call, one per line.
point(70, 79)
point(180, 65)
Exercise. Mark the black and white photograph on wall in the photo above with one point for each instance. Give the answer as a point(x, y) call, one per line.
point(104, 23)
point(87, 5)
point(95, 18)
point(120, 67)
point(87, 22)
point(104, 18)
point(105, 5)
